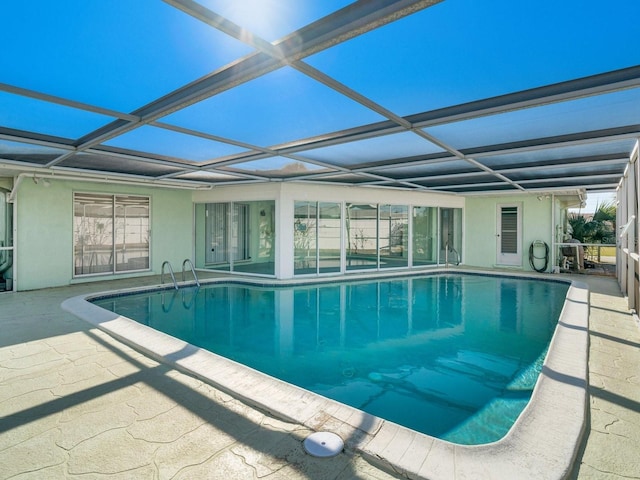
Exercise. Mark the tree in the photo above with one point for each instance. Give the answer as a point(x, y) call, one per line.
point(600, 228)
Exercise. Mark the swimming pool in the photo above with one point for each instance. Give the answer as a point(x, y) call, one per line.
point(541, 444)
point(455, 357)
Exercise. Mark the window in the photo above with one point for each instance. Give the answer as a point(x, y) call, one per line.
point(393, 231)
point(305, 237)
point(329, 226)
point(111, 233)
point(362, 236)
point(316, 237)
point(376, 236)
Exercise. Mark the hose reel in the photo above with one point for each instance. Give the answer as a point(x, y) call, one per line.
point(533, 258)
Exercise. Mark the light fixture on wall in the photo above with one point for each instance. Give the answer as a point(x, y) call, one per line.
point(41, 181)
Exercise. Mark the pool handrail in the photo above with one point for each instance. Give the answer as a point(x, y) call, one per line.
point(193, 271)
point(173, 277)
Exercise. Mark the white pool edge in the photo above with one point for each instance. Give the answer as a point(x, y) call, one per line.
point(542, 443)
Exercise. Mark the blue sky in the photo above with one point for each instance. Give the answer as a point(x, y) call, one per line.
point(462, 50)
point(121, 55)
point(594, 200)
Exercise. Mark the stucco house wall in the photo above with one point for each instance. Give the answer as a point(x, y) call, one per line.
point(44, 222)
point(44, 230)
point(286, 194)
point(481, 229)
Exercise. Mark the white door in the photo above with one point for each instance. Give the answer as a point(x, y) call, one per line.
point(509, 235)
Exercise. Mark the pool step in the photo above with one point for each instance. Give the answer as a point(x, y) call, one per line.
point(490, 423)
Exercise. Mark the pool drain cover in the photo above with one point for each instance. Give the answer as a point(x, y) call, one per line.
point(323, 444)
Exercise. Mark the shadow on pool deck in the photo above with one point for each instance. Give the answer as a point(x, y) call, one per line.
point(610, 448)
point(74, 401)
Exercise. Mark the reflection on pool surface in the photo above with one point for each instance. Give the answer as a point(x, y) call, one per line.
point(452, 356)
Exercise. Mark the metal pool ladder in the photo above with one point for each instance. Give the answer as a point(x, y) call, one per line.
point(193, 271)
point(173, 277)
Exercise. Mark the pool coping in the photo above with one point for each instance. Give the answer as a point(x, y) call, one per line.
point(542, 443)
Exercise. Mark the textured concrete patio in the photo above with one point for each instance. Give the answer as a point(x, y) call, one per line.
point(612, 447)
point(75, 403)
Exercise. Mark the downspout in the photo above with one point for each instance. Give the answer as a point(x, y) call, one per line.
point(16, 184)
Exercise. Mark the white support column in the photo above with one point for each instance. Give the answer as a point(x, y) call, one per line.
point(632, 258)
point(627, 222)
point(634, 283)
point(624, 244)
point(620, 221)
point(284, 238)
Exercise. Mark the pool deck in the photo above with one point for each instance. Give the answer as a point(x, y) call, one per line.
point(76, 403)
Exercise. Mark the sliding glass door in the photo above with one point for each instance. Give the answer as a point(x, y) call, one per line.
point(450, 235)
point(217, 251)
point(238, 236)
point(425, 236)
point(111, 233)
point(6, 241)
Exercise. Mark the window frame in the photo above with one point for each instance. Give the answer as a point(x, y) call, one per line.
point(115, 221)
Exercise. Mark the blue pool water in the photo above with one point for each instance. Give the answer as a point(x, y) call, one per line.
point(453, 356)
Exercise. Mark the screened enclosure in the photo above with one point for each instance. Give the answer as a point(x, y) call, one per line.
point(197, 95)
point(217, 93)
